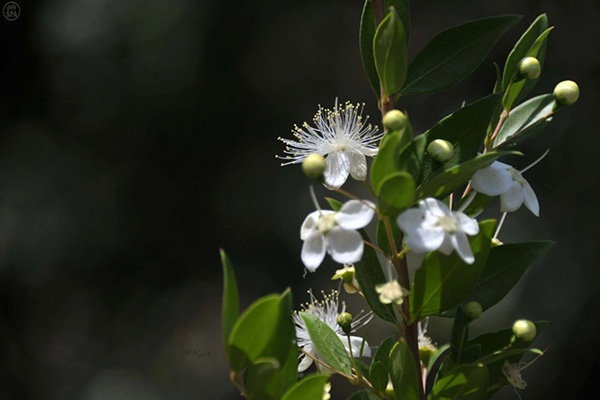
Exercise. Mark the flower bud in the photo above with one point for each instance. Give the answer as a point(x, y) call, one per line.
point(440, 150)
point(566, 93)
point(344, 320)
point(473, 310)
point(348, 276)
point(496, 242)
point(389, 391)
point(529, 68)
point(524, 330)
point(313, 166)
point(394, 120)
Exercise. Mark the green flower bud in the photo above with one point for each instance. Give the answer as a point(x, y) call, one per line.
point(529, 68)
point(440, 150)
point(313, 166)
point(389, 391)
point(524, 330)
point(425, 353)
point(344, 320)
point(394, 120)
point(566, 93)
point(473, 310)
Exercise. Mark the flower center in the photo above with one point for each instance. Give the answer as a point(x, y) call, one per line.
point(326, 223)
point(447, 223)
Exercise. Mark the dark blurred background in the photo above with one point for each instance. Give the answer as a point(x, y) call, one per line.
point(137, 138)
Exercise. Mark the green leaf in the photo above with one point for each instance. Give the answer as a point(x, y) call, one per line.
point(466, 382)
point(448, 181)
point(526, 121)
point(266, 379)
point(387, 160)
point(403, 9)
point(264, 330)
point(366, 36)
point(230, 307)
point(411, 157)
point(460, 335)
point(382, 237)
point(454, 54)
point(495, 341)
point(444, 281)
point(505, 266)
point(397, 192)
point(504, 354)
point(389, 50)
point(465, 129)
point(363, 395)
point(403, 372)
point(380, 365)
point(477, 205)
point(309, 388)
point(327, 343)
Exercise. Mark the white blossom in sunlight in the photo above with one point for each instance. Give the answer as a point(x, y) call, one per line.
point(328, 311)
point(391, 292)
point(342, 136)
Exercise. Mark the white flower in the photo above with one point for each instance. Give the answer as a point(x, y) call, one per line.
point(341, 135)
point(326, 231)
point(328, 311)
point(503, 180)
point(391, 292)
point(433, 226)
point(513, 374)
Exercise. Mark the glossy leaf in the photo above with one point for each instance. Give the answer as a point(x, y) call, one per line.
point(380, 365)
point(505, 354)
point(460, 335)
point(266, 379)
point(309, 388)
point(327, 343)
point(495, 341)
point(454, 54)
point(389, 51)
point(264, 330)
point(466, 382)
point(387, 160)
point(477, 205)
point(403, 9)
point(526, 121)
point(505, 266)
point(444, 281)
point(448, 181)
point(230, 306)
point(363, 395)
point(397, 192)
point(366, 35)
point(403, 372)
point(411, 157)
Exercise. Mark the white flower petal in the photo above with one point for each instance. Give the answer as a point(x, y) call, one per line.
point(356, 342)
point(531, 200)
point(513, 199)
point(447, 246)
point(435, 207)
point(337, 168)
point(355, 214)
point(467, 224)
point(423, 240)
point(492, 180)
point(345, 247)
point(463, 248)
point(313, 250)
point(310, 224)
point(306, 361)
point(358, 165)
point(411, 219)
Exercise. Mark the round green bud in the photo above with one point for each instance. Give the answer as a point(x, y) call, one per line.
point(440, 150)
point(566, 93)
point(313, 166)
point(524, 330)
point(394, 120)
point(344, 320)
point(473, 310)
point(529, 68)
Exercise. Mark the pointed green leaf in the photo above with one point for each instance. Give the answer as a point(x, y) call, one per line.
point(444, 281)
point(230, 307)
point(454, 54)
point(460, 335)
point(363, 395)
point(264, 330)
point(397, 193)
point(411, 157)
point(403, 9)
point(266, 379)
point(387, 160)
point(504, 354)
point(366, 36)
point(389, 50)
point(448, 181)
point(378, 376)
point(403, 372)
point(309, 388)
point(505, 266)
point(380, 365)
point(327, 343)
point(496, 341)
point(466, 382)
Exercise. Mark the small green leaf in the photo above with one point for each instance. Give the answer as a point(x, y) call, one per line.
point(389, 50)
point(460, 335)
point(327, 343)
point(261, 379)
point(366, 36)
point(504, 354)
point(387, 160)
point(378, 376)
point(496, 341)
point(397, 192)
point(403, 372)
point(477, 205)
point(309, 388)
point(380, 365)
point(505, 266)
point(363, 395)
point(444, 281)
point(230, 307)
point(448, 181)
point(466, 382)
point(454, 54)
point(264, 330)
point(526, 121)
point(403, 9)
point(411, 157)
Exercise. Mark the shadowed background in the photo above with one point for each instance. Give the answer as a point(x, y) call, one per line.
point(137, 138)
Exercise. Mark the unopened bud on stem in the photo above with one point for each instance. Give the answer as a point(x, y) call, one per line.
point(394, 120)
point(440, 150)
point(524, 330)
point(529, 68)
point(473, 310)
point(566, 93)
point(313, 166)
point(344, 320)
